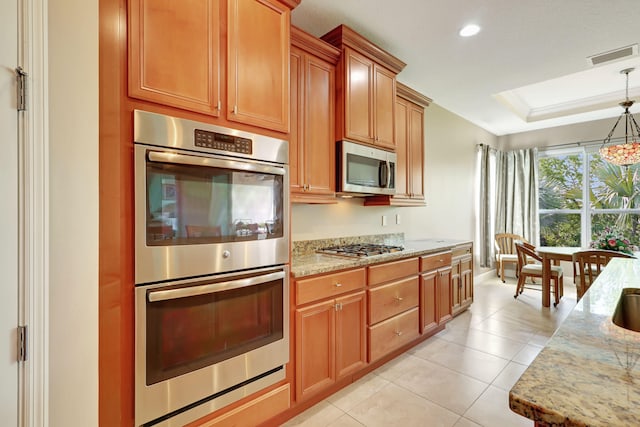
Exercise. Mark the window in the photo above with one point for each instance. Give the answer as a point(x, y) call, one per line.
point(580, 194)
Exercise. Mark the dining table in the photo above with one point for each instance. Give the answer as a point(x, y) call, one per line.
point(553, 254)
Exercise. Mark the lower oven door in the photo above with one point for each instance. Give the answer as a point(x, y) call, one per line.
point(209, 342)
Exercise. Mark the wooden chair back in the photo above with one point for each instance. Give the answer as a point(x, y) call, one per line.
point(526, 253)
point(505, 242)
point(588, 264)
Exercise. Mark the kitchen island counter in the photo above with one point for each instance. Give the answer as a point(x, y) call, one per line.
point(309, 263)
point(587, 374)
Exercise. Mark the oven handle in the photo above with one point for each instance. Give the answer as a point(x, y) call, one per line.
point(182, 159)
point(211, 288)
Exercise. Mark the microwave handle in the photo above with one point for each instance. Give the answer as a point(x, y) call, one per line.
point(388, 174)
point(182, 159)
point(384, 174)
point(170, 294)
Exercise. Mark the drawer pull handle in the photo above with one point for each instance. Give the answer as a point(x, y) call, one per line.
point(398, 299)
point(337, 285)
point(398, 333)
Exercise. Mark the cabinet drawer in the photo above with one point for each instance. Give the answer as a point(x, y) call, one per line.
point(330, 285)
point(393, 333)
point(461, 250)
point(435, 261)
point(392, 271)
point(388, 300)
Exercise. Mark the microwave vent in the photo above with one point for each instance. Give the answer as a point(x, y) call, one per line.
point(613, 55)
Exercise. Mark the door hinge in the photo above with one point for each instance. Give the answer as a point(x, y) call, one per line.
point(21, 77)
point(22, 343)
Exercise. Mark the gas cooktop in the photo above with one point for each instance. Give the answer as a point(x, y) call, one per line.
point(360, 250)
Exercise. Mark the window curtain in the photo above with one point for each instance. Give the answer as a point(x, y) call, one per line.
point(486, 158)
point(507, 197)
point(517, 193)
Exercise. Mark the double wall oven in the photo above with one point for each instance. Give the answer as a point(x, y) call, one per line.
point(211, 274)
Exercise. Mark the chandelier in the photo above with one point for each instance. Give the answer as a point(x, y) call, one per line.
point(627, 153)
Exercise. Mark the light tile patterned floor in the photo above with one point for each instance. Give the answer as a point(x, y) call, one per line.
point(460, 377)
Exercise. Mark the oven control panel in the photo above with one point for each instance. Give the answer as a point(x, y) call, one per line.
point(221, 141)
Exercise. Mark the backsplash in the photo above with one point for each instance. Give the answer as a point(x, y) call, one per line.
point(304, 247)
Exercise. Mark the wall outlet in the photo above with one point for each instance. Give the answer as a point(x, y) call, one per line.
point(384, 220)
point(397, 219)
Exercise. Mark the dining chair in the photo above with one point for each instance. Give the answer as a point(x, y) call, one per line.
point(529, 268)
point(506, 252)
point(588, 264)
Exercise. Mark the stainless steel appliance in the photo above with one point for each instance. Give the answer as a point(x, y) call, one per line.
point(358, 250)
point(212, 284)
point(365, 170)
point(207, 199)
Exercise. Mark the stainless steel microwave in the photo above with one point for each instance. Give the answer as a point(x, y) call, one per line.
point(365, 170)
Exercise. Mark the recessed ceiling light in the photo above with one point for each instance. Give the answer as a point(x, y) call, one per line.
point(469, 30)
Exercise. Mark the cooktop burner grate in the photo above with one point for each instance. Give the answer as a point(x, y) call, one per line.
point(360, 250)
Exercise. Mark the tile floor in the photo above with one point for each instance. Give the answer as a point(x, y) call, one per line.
point(460, 377)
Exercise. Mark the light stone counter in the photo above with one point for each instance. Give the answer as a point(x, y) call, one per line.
point(305, 262)
point(587, 374)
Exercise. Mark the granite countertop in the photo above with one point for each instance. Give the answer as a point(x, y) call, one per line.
point(307, 262)
point(587, 374)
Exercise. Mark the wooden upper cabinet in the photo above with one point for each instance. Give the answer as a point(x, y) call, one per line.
point(258, 63)
point(384, 107)
point(177, 57)
point(174, 53)
point(312, 144)
point(409, 128)
point(365, 89)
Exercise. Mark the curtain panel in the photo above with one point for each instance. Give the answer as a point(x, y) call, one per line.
point(517, 194)
point(507, 197)
point(486, 203)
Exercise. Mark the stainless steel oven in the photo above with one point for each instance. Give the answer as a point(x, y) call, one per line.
point(207, 199)
point(202, 344)
point(211, 274)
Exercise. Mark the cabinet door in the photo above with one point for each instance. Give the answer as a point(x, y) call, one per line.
point(258, 63)
point(402, 149)
point(456, 285)
point(174, 53)
point(443, 291)
point(296, 133)
point(358, 97)
point(416, 151)
point(428, 298)
point(351, 344)
point(319, 129)
point(466, 274)
point(315, 351)
point(384, 107)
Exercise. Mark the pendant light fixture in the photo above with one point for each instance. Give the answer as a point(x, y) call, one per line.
point(627, 153)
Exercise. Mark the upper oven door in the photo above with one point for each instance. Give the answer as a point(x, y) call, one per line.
point(199, 214)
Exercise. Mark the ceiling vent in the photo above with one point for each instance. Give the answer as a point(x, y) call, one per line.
point(613, 55)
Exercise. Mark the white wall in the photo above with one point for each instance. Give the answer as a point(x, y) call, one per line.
point(73, 179)
point(450, 144)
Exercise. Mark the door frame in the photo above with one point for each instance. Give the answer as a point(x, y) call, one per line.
point(33, 208)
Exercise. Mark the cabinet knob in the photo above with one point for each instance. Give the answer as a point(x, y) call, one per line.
point(398, 333)
point(338, 306)
point(398, 299)
point(337, 285)
point(235, 110)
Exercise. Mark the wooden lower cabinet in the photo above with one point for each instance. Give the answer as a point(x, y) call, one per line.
point(393, 319)
point(436, 298)
point(393, 333)
point(330, 342)
point(461, 278)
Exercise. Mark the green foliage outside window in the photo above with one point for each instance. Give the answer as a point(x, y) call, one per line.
point(611, 187)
